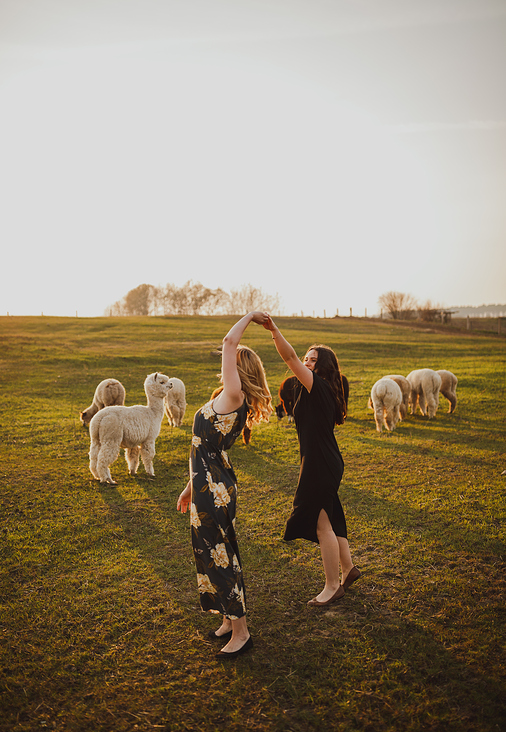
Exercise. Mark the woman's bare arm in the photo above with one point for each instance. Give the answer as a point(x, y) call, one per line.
point(287, 353)
point(232, 396)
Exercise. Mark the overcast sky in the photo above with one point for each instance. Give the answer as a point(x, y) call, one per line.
point(324, 150)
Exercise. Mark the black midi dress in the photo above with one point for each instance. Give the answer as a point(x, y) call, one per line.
point(321, 463)
point(212, 511)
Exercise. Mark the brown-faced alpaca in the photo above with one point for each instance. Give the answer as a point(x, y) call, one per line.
point(175, 402)
point(386, 399)
point(448, 388)
point(109, 393)
point(133, 428)
point(425, 385)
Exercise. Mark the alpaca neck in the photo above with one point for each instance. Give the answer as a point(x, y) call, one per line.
point(155, 404)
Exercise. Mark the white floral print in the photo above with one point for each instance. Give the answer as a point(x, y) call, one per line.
point(225, 422)
point(205, 584)
point(220, 493)
point(220, 556)
point(194, 517)
point(212, 511)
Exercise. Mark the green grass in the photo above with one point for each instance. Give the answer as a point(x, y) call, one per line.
point(100, 620)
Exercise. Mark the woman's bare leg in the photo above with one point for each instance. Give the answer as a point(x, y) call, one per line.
point(225, 627)
point(330, 551)
point(345, 557)
point(240, 635)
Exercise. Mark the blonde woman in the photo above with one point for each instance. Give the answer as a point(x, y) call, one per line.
point(244, 399)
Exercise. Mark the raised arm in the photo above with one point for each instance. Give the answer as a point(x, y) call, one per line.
point(287, 353)
point(232, 396)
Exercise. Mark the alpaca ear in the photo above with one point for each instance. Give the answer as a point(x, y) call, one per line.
point(156, 375)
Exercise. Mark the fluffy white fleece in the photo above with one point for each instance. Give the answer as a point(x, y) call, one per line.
point(449, 388)
point(133, 428)
point(425, 385)
point(109, 392)
point(175, 402)
point(386, 399)
point(405, 388)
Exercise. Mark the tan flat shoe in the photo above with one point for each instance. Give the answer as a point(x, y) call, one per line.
point(353, 575)
point(336, 596)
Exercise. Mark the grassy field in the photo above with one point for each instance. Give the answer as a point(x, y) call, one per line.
point(100, 620)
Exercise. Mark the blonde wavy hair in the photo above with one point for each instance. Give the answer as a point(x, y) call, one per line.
point(254, 385)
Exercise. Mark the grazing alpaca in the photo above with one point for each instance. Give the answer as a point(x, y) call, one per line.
point(288, 394)
point(175, 403)
point(108, 393)
point(449, 388)
point(133, 428)
point(405, 387)
point(425, 385)
point(386, 399)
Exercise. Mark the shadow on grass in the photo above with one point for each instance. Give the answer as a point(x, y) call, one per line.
point(389, 669)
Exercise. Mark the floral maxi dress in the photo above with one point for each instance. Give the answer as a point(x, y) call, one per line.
point(212, 512)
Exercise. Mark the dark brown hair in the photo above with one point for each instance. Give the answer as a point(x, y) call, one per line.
point(327, 366)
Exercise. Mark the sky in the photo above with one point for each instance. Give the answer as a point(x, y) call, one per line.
point(325, 151)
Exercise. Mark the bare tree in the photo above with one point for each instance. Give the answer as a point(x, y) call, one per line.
point(398, 305)
point(139, 300)
point(192, 299)
point(189, 299)
point(430, 311)
point(251, 298)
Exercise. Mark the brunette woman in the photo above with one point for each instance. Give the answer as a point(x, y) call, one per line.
point(317, 513)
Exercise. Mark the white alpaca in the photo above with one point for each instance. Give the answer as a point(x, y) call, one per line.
point(386, 399)
point(449, 388)
point(175, 402)
point(425, 385)
point(405, 387)
point(133, 428)
point(108, 393)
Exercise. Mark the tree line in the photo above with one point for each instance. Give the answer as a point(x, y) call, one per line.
point(401, 306)
point(192, 298)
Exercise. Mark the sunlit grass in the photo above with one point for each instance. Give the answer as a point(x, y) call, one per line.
point(100, 617)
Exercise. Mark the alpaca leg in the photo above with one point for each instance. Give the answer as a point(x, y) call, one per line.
point(107, 455)
point(177, 415)
point(391, 418)
point(132, 458)
point(452, 398)
point(432, 405)
point(378, 416)
point(388, 419)
point(413, 400)
point(169, 416)
point(147, 455)
point(395, 417)
point(422, 403)
point(94, 450)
